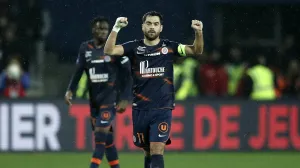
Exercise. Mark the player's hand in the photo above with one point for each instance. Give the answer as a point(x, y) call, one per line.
point(68, 97)
point(121, 22)
point(121, 107)
point(197, 25)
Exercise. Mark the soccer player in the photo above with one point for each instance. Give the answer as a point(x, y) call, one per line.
point(152, 71)
point(108, 82)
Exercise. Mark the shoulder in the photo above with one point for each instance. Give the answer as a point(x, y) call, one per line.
point(169, 42)
point(172, 44)
point(136, 42)
point(86, 44)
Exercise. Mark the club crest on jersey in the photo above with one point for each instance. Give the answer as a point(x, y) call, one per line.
point(107, 58)
point(164, 50)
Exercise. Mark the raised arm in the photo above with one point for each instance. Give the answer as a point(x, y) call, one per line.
point(110, 47)
point(197, 48)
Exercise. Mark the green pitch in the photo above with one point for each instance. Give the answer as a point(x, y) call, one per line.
point(172, 160)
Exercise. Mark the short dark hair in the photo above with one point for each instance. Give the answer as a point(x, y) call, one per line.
point(153, 13)
point(99, 19)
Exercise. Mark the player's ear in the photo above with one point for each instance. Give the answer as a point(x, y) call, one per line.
point(161, 28)
point(143, 26)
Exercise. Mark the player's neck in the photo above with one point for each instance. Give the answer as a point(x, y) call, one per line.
point(152, 42)
point(98, 44)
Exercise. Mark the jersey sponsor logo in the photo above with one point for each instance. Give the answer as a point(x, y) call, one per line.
point(88, 54)
point(152, 54)
point(97, 61)
point(97, 78)
point(147, 72)
point(140, 50)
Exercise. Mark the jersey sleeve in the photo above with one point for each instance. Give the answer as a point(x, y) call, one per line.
point(80, 66)
point(178, 48)
point(124, 83)
point(81, 58)
point(129, 48)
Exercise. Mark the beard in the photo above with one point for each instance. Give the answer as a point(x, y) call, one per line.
point(100, 40)
point(151, 35)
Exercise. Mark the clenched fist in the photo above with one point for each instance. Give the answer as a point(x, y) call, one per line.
point(120, 23)
point(197, 25)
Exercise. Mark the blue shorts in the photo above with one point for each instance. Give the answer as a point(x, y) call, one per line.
point(102, 117)
point(151, 126)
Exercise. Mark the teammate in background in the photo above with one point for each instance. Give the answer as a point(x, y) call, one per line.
point(152, 71)
point(107, 76)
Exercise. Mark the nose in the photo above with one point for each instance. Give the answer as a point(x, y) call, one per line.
point(151, 26)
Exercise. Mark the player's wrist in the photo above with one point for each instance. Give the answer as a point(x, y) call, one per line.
point(116, 28)
point(69, 91)
point(198, 31)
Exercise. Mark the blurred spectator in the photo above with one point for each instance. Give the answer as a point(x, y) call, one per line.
point(293, 79)
point(235, 69)
point(30, 17)
point(213, 79)
point(21, 28)
point(12, 45)
point(13, 81)
point(286, 52)
point(184, 73)
point(259, 81)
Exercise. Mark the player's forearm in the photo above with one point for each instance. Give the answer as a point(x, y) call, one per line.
point(198, 43)
point(110, 43)
point(125, 84)
point(75, 79)
point(125, 92)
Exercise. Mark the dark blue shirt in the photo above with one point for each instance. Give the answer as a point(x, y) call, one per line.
point(108, 76)
point(152, 71)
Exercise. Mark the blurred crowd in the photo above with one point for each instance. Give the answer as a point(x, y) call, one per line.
point(259, 73)
point(231, 70)
point(20, 24)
